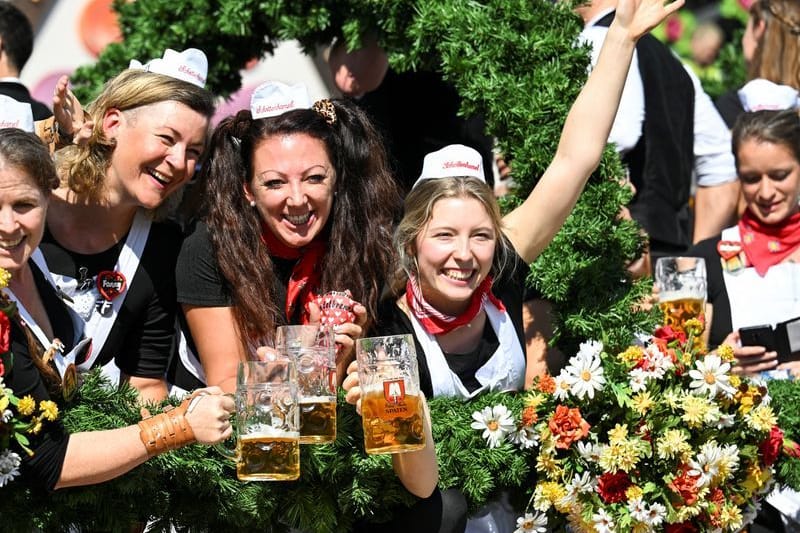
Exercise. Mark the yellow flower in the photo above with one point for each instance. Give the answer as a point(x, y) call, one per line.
point(695, 410)
point(35, 427)
point(641, 527)
point(5, 277)
point(49, 410)
point(687, 359)
point(547, 463)
point(547, 494)
point(693, 326)
point(642, 402)
point(725, 352)
point(761, 418)
point(4, 401)
point(619, 433)
point(535, 399)
point(672, 398)
point(632, 355)
point(672, 444)
point(620, 455)
point(26, 405)
point(731, 517)
point(634, 492)
point(734, 380)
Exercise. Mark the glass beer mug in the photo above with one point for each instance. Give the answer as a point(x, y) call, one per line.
point(266, 424)
point(313, 351)
point(681, 282)
point(391, 405)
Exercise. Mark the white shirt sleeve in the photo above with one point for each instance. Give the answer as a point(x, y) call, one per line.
point(713, 155)
point(627, 127)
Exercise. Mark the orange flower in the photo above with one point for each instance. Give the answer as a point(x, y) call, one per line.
point(567, 425)
point(685, 486)
point(546, 384)
point(529, 416)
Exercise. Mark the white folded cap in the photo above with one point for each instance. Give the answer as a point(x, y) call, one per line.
point(274, 98)
point(190, 66)
point(15, 114)
point(454, 160)
point(761, 94)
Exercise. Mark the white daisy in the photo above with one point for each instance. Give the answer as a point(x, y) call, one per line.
point(585, 377)
point(706, 465)
point(496, 422)
point(9, 466)
point(603, 522)
point(725, 421)
point(590, 349)
point(582, 484)
point(638, 380)
point(525, 438)
point(711, 376)
point(532, 523)
point(562, 387)
point(638, 510)
point(656, 514)
point(590, 452)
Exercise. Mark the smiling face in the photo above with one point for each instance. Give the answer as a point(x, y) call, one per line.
point(292, 185)
point(23, 208)
point(157, 149)
point(770, 178)
point(454, 253)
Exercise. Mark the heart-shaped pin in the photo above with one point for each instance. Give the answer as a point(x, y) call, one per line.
point(729, 249)
point(110, 284)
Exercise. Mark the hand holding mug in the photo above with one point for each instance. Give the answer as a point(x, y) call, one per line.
point(209, 415)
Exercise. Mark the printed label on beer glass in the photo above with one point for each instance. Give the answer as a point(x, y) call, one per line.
point(394, 391)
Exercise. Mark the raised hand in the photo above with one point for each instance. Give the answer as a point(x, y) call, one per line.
point(638, 17)
point(67, 110)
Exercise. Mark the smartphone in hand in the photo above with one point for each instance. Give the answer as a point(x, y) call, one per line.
point(762, 335)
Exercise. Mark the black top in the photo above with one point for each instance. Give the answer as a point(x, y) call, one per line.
point(20, 93)
point(200, 283)
point(142, 337)
point(417, 112)
point(721, 324)
point(22, 376)
point(662, 161)
point(509, 289)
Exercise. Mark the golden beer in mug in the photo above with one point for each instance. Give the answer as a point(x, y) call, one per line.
point(317, 420)
point(266, 423)
point(266, 457)
point(391, 427)
point(681, 283)
point(313, 351)
point(391, 405)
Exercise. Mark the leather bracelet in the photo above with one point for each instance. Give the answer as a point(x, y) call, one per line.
point(166, 431)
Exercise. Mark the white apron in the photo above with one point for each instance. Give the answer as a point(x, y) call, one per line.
point(757, 300)
point(504, 371)
point(98, 326)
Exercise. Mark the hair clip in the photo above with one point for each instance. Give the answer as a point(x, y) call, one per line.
point(326, 110)
point(237, 142)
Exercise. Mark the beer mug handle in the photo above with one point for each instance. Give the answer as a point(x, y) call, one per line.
point(222, 447)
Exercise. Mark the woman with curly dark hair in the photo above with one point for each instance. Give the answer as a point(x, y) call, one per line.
point(299, 202)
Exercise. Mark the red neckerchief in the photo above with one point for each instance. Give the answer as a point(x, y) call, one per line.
point(305, 276)
point(434, 321)
point(767, 245)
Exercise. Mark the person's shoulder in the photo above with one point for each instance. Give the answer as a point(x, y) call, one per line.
point(705, 248)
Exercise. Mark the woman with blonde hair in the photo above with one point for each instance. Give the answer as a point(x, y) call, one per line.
point(110, 260)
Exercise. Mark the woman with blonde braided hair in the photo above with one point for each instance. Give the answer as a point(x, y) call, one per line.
point(299, 201)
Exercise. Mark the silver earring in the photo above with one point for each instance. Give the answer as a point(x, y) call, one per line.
point(252, 203)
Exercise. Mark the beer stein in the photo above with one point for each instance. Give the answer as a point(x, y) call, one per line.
point(681, 283)
point(314, 353)
point(391, 405)
point(266, 422)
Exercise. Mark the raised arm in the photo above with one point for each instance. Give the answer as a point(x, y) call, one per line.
point(533, 225)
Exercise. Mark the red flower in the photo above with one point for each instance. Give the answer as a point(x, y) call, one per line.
point(669, 334)
point(685, 486)
point(5, 333)
point(612, 487)
point(568, 426)
point(2, 368)
point(772, 445)
point(683, 527)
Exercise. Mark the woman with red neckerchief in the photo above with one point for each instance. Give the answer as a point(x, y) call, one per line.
point(753, 271)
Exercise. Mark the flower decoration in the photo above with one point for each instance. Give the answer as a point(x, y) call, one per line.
point(19, 417)
point(657, 437)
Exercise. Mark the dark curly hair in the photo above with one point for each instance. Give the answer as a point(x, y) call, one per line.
point(367, 201)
